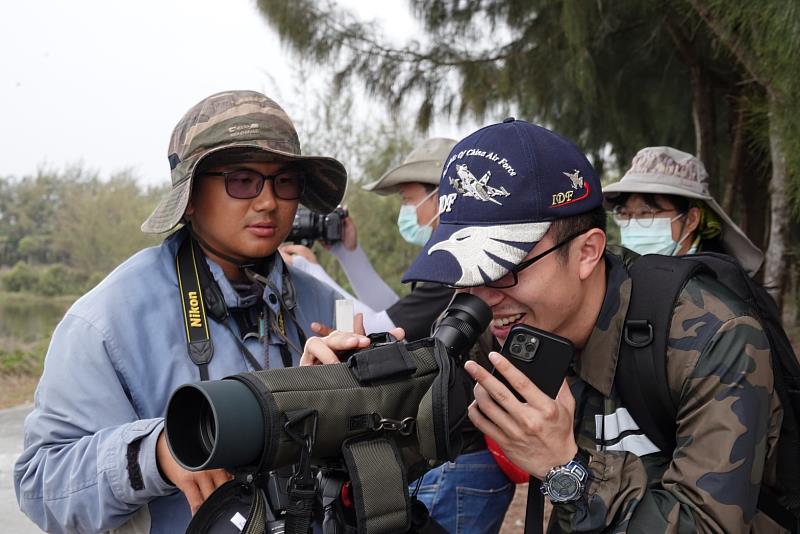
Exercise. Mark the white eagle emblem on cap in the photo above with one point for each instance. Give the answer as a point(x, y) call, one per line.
point(469, 186)
point(476, 247)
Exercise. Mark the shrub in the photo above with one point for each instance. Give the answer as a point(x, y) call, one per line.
point(50, 280)
point(59, 280)
point(21, 277)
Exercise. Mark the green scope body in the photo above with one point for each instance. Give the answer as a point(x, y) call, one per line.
point(241, 420)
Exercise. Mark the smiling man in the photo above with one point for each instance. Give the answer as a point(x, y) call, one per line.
point(522, 227)
point(213, 300)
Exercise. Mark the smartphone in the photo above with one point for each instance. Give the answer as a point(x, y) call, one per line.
point(543, 357)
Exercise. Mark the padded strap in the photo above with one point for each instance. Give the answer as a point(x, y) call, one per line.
point(641, 377)
point(380, 488)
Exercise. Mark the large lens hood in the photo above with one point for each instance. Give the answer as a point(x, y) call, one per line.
point(215, 424)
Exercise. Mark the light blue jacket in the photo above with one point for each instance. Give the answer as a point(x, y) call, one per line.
point(112, 364)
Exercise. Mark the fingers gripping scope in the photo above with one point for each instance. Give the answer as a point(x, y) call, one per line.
point(401, 390)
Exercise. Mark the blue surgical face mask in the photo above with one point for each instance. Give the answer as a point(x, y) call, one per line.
point(653, 239)
point(410, 229)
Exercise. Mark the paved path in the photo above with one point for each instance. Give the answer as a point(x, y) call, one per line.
point(13, 521)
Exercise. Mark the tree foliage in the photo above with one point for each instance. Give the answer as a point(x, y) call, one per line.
point(368, 146)
point(717, 78)
point(61, 230)
point(101, 227)
point(622, 74)
point(572, 64)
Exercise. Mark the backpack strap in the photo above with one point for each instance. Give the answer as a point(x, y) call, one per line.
point(641, 369)
point(641, 376)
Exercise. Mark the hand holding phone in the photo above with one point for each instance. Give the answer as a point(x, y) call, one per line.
point(541, 356)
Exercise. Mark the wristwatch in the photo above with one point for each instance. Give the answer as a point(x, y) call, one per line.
point(567, 483)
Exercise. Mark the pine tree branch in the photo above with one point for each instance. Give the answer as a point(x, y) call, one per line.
point(733, 44)
point(355, 41)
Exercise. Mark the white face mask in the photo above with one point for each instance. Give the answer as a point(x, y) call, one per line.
point(654, 239)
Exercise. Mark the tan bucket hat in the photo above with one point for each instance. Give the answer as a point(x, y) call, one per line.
point(423, 165)
point(251, 123)
point(664, 170)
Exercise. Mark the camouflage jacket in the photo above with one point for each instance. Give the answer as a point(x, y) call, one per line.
point(728, 422)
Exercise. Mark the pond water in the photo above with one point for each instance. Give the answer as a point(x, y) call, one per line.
point(29, 318)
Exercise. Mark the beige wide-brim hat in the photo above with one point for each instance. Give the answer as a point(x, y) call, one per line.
point(241, 126)
point(423, 165)
point(664, 170)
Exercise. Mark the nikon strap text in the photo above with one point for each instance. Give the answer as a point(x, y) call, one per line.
point(201, 349)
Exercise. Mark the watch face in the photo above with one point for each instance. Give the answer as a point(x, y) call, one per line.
point(564, 486)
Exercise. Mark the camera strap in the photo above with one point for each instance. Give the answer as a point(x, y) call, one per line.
point(201, 298)
point(200, 346)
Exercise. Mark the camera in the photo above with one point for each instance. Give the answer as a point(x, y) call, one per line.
point(309, 226)
point(403, 404)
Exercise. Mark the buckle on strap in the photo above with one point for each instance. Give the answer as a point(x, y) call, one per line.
point(303, 485)
point(404, 427)
point(638, 333)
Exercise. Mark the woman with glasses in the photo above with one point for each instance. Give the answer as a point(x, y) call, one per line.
point(662, 205)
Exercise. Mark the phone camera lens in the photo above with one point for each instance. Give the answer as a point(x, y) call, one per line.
point(530, 347)
point(519, 338)
point(515, 349)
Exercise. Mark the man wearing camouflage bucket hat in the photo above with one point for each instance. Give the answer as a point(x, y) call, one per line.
point(211, 301)
point(254, 124)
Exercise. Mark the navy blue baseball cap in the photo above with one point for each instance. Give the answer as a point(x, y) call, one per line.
point(500, 189)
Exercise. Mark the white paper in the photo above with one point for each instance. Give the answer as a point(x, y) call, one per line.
point(238, 520)
point(344, 315)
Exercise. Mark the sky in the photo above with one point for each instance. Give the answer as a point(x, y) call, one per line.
point(101, 83)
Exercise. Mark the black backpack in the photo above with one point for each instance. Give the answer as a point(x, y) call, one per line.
point(641, 378)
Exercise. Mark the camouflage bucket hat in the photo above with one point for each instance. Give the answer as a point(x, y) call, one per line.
point(246, 121)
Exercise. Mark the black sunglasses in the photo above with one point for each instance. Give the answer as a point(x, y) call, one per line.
point(246, 183)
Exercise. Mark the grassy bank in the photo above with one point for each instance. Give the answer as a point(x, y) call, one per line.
point(26, 324)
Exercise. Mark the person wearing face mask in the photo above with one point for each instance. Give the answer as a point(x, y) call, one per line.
point(408, 220)
point(663, 206)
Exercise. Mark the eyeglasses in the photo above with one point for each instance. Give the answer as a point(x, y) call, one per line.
point(246, 183)
point(512, 278)
point(643, 217)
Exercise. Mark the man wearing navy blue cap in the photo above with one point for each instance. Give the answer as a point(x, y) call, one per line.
point(522, 226)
